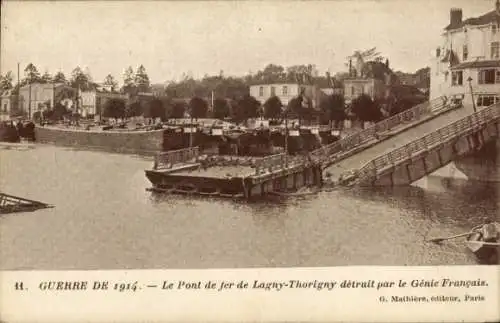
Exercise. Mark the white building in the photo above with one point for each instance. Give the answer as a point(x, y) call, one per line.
point(285, 92)
point(6, 102)
point(36, 97)
point(469, 57)
point(87, 103)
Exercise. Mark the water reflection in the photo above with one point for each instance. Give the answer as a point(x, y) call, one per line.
point(105, 218)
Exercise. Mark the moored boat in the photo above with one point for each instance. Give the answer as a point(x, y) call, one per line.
point(484, 242)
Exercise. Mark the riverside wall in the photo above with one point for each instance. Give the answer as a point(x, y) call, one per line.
point(146, 142)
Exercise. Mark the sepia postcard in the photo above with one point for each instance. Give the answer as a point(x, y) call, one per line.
point(181, 161)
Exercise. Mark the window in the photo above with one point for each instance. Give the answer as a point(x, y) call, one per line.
point(457, 78)
point(273, 91)
point(495, 49)
point(5, 107)
point(285, 90)
point(487, 76)
point(497, 78)
point(465, 53)
point(494, 28)
point(352, 90)
point(261, 91)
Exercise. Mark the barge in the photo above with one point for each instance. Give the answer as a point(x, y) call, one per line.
point(186, 171)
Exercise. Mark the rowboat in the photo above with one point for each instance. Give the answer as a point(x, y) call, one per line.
point(484, 242)
point(13, 204)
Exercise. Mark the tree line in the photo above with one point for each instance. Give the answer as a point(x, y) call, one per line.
point(133, 82)
point(331, 109)
point(231, 94)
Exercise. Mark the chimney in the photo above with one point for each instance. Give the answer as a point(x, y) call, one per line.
point(387, 63)
point(497, 7)
point(455, 17)
point(350, 67)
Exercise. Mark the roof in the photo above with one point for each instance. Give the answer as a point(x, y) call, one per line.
point(477, 64)
point(485, 19)
point(281, 84)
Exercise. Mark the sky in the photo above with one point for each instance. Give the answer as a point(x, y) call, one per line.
point(172, 38)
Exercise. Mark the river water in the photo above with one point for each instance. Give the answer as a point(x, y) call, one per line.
point(105, 219)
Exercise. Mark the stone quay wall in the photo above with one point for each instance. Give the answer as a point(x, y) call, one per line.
point(145, 142)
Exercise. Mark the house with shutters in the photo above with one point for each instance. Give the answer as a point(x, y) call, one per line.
point(466, 65)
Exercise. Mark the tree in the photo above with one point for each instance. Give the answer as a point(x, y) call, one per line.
point(110, 82)
point(198, 107)
point(142, 79)
point(31, 74)
point(178, 109)
point(59, 78)
point(6, 81)
point(245, 108)
point(81, 80)
point(134, 109)
point(272, 107)
point(221, 108)
point(271, 74)
point(379, 71)
point(333, 107)
point(301, 74)
point(365, 109)
point(128, 81)
point(114, 108)
point(46, 78)
point(362, 56)
point(155, 109)
point(65, 93)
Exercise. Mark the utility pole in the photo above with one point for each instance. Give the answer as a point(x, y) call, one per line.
point(212, 101)
point(191, 129)
point(29, 102)
point(286, 137)
point(53, 95)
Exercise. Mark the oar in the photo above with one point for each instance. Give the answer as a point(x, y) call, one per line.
point(437, 240)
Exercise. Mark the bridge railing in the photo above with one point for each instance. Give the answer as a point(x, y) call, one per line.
point(367, 134)
point(168, 159)
point(277, 162)
point(453, 130)
point(270, 163)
